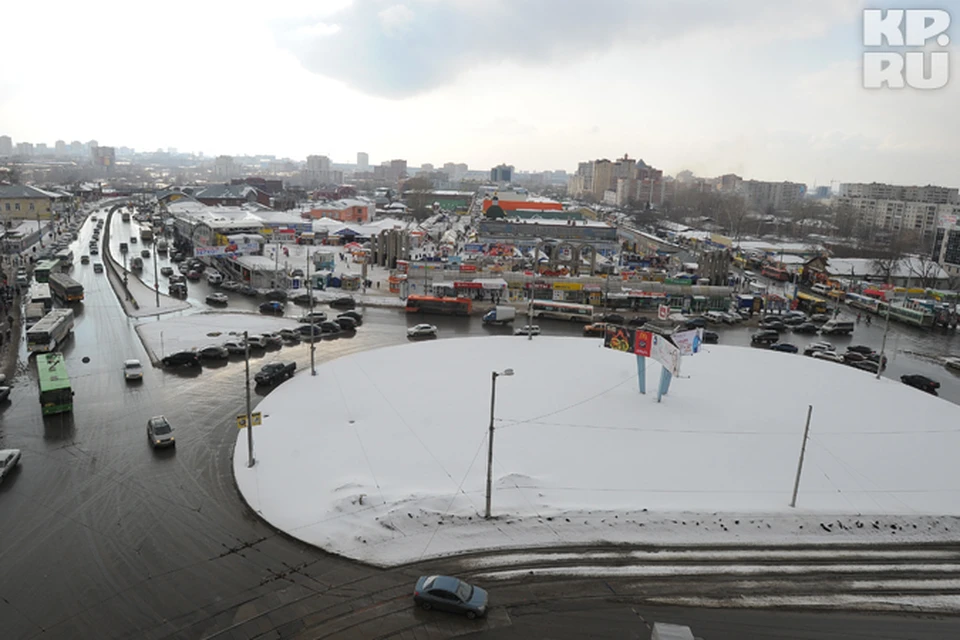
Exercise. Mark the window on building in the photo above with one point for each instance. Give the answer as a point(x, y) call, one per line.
point(8, 206)
point(31, 206)
point(16, 206)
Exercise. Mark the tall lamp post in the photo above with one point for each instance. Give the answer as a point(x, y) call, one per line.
point(493, 401)
point(883, 345)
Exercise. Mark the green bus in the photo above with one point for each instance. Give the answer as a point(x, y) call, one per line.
point(45, 268)
point(56, 395)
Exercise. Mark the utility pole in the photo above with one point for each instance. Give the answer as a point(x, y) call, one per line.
point(493, 401)
point(156, 282)
point(803, 450)
point(313, 348)
point(533, 281)
point(883, 345)
point(246, 357)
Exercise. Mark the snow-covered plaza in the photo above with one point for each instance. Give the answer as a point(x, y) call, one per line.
point(382, 455)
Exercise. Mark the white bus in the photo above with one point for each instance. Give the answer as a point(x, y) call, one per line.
point(562, 310)
point(65, 257)
point(40, 293)
point(50, 331)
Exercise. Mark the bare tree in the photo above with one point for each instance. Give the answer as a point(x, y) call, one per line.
point(733, 212)
point(890, 258)
point(845, 220)
point(924, 269)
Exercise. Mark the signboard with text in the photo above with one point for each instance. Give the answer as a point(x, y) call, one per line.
point(688, 341)
point(666, 354)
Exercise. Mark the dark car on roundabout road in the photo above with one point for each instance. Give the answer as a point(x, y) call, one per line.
point(923, 383)
point(446, 593)
point(785, 347)
point(182, 359)
point(272, 306)
point(344, 302)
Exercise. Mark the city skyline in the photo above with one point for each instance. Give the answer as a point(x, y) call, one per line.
point(771, 93)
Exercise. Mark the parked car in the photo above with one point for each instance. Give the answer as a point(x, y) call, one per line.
point(819, 318)
point(765, 337)
point(145, 253)
point(867, 365)
point(795, 321)
point(257, 342)
point(422, 331)
point(276, 294)
point(166, 271)
point(248, 290)
point(85, 259)
point(816, 347)
point(133, 239)
point(597, 329)
point(860, 348)
point(613, 318)
point(193, 274)
point(785, 347)
point(272, 339)
point(182, 359)
point(176, 256)
point(731, 318)
point(312, 317)
point(301, 298)
point(356, 315)
point(272, 306)
point(329, 327)
point(309, 332)
point(217, 298)
point(275, 372)
point(711, 337)
point(853, 356)
point(638, 321)
point(923, 383)
point(132, 370)
point(290, 335)
point(98, 267)
point(178, 278)
point(213, 352)
point(94, 250)
point(346, 323)
point(177, 290)
point(695, 323)
point(4, 393)
point(527, 329)
point(832, 356)
point(806, 327)
point(160, 433)
point(214, 278)
point(773, 324)
point(345, 302)
point(446, 593)
point(236, 347)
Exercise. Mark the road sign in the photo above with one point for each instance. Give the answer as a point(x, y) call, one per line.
point(255, 418)
point(663, 312)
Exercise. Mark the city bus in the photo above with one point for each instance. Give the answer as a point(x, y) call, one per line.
point(65, 288)
point(56, 395)
point(40, 294)
point(859, 301)
point(52, 329)
point(44, 268)
point(811, 304)
point(775, 273)
point(444, 306)
point(65, 258)
point(916, 317)
point(562, 310)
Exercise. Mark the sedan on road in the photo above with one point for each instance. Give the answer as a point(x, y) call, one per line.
point(160, 433)
point(446, 593)
point(422, 331)
point(312, 317)
point(182, 359)
point(9, 459)
point(273, 306)
point(346, 302)
point(527, 330)
point(132, 370)
point(217, 298)
point(356, 315)
point(166, 271)
point(785, 347)
point(923, 383)
point(213, 352)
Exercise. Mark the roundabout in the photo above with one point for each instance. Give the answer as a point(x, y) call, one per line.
point(381, 456)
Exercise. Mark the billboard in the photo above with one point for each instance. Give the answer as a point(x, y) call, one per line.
point(688, 341)
point(627, 340)
point(666, 354)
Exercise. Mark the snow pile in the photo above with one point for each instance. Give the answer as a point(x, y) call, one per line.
point(382, 455)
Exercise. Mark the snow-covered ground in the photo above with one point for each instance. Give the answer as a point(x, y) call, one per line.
point(180, 333)
point(382, 455)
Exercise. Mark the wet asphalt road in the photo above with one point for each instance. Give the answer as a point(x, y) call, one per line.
point(101, 537)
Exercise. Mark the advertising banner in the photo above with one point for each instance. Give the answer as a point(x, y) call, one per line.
point(619, 338)
point(567, 286)
point(663, 312)
point(666, 354)
point(231, 249)
point(642, 342)
point(688, 341)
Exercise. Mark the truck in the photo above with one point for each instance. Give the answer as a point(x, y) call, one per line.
point(275, 372)
point(500, 315)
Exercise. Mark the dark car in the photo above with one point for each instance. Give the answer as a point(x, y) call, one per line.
point(711, 337)
point(346, 302)
point(176, 256)
point(272, 306)
point(773, 325)
point(182, 359)
point(806, 327)
point(785, 347)
point(356, 315)
point(346, 323)
point(639, 321)
point(178, 279)
point(819, 318)
point(248, 290)
point(613, 318)
point(193, 274)
point(276, 294)
point(309, 332)
point(213, 352)
point(867, 365)
point(794, 321)
point(923, 383)
point(166, 271)
point(766, 337)
point(329, 327)
point(446, 593)
point(275, 372)
point(695, 323)
point(853, 356)
point(860, 348)
point(177, 290)
point(301, 298)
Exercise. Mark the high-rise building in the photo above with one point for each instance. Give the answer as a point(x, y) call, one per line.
point(363, 161)
point(42, 148)
point(104, 157)
point(501, 174)
point(426, 167)
point(780, 196)
point(926, 210)
point(880, 191)
point(6, 147)
point(25, 149)
point(223, 167)
point(396, 170)
point(76, 148)
point(60, 148)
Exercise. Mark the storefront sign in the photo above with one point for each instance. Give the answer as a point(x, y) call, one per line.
point(567, 286)
point(468, 268)
point(468, 285)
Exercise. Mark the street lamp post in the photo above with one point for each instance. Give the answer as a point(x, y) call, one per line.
point(883, 344)
point(156, 281)
point(493, 400)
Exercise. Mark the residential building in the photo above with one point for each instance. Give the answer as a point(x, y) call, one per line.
point(103, 157)
point(455, 172)
point(396, 170)
point(76, 148)
point(59, 147)
point(729, 182)
point(6, 146)
point(19, 202)
point(363, 161)
point(603, 178)
point(946, 242)
point(779, 196)
point(426, 167)
point(223, 167)
point(881, 191)
point(501, 174)
point(25, 149)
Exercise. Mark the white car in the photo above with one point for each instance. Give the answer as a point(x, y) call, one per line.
point(235, 346)
point(217, 298)
point(132, 370)
point(527, 330)
point(828, 355)
point(9, 458)
point(422, 331)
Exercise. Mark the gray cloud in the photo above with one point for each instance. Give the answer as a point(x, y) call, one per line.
point(400, 48)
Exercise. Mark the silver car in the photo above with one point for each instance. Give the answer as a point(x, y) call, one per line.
point(9, 458)
point(160, 433)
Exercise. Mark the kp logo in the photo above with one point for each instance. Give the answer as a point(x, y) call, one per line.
point(926, 66)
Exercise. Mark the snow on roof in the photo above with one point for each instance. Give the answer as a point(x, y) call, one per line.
point(907, 267)
point(774, 247)
point(380, 476)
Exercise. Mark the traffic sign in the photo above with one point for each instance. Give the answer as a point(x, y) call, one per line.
point(255, 418)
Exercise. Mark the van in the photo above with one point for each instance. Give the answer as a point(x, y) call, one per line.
point(837, 326)
point(214, 278)
point(715, 317)
point(821, 289)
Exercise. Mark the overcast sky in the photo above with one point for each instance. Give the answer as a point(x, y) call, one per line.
point(768, 89)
